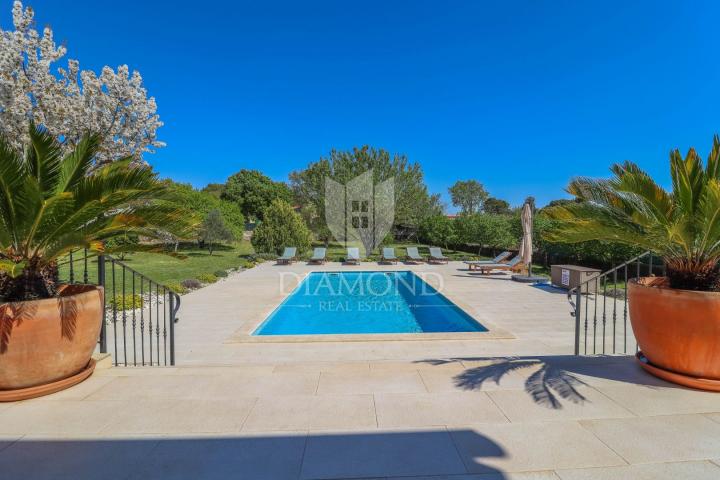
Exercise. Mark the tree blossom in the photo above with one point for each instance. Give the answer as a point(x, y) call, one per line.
point(69, 101)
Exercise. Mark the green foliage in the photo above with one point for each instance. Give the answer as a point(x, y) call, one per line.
point(121, 245)
point(214, 189)
point(683, 226)
point(50, 205)
point(281, 227)
point(491, 231)
point(252, 192)
point(496, 206)
point(412, 200)
point(207, 278)
point(438, 230)
point(203, 202)
point(126, 302)
point(213, 230)
point(468, 195)
point(245, 263)
point(176, 287)
point(221, 273)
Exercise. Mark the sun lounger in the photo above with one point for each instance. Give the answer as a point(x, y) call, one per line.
point(288, 256)
point(436, 256)
point(472, 265)
point(319, 255)
point(388, 255)
point(514, 265)
point(353, 255)
point(412, 255)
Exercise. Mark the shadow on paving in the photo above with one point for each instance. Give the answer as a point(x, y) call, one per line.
point(261, 457)
point(553, 378)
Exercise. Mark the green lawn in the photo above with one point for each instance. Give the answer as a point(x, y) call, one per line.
point(165, 269)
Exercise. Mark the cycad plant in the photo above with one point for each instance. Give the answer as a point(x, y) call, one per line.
point(683, 226)
point(53, 203)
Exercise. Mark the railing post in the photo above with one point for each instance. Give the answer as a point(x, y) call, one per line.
point(101, 282)
point(171, 306)
point(578, 306)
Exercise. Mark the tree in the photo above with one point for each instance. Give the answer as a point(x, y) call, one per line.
point(468, 195)
point(204, 202)
point(438, 230)
point(496, 206)
point(683, 226)
point(412, 200)
point(51, 206)
point(486, 230)
point(214, 189)
point(281, 227)
point(69, 102)
point(253, 191)
point(213, 230)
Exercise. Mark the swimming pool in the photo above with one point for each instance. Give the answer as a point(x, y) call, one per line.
point(366, 303)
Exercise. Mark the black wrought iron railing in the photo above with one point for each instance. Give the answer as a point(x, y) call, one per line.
point(139, 314)
point(600, 307)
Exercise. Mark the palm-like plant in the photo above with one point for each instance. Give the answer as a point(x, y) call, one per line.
point(683, 226)
point(51, 204)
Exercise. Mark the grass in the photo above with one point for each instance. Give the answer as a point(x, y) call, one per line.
point(165, 269)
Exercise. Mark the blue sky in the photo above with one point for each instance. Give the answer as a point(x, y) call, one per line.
point(519, 95)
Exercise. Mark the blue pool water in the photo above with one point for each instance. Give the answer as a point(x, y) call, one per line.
point(366, 302)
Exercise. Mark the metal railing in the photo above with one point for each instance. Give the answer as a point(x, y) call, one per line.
point(139, 314)
point(600, 307)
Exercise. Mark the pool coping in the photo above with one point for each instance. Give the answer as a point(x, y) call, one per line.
point(245, 333)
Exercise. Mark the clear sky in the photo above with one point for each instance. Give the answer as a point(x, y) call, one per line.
point(520, 95)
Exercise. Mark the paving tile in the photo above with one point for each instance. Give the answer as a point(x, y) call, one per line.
point(660, 400)
point(329, 367)
point(468, 380)
point(181, 416)
point(546, 475)
point(546, 403)
point(373, 382)
point(528, 447)
point(660, 439)
point(152, 386)
point(256, 457)
point(384, 453)
point(300, 412)
point(61, 417)
point(231, 386)
point(39, 458)
point(77, 392)
point(395, 366)
point(7, 440)
point(656, 471)
point(418, 410)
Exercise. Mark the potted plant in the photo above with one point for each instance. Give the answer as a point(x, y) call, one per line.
point(51, 203)
point(675, 319)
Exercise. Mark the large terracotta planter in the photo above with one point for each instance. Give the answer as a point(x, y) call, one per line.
point(678, 332)
point(46, 345)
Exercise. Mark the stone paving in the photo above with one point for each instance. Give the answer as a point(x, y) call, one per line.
point(481, 409)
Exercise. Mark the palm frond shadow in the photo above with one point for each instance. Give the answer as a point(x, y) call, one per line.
point(68, 309)
point(12, 315)
point(548, 385)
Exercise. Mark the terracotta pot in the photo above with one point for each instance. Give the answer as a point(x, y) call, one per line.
point(678, 331)
point(44, 343)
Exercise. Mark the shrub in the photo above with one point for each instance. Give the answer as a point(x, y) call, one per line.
point(244, 263)
point(207, 278)
point(176, 287)
point(438, 230)
point(281, 227)
point(221, 273)
point(191, 284)
point(126, 302)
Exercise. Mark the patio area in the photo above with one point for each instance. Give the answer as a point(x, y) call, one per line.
point(517, 407)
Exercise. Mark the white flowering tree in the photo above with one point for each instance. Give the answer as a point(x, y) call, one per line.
point(69, 101)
